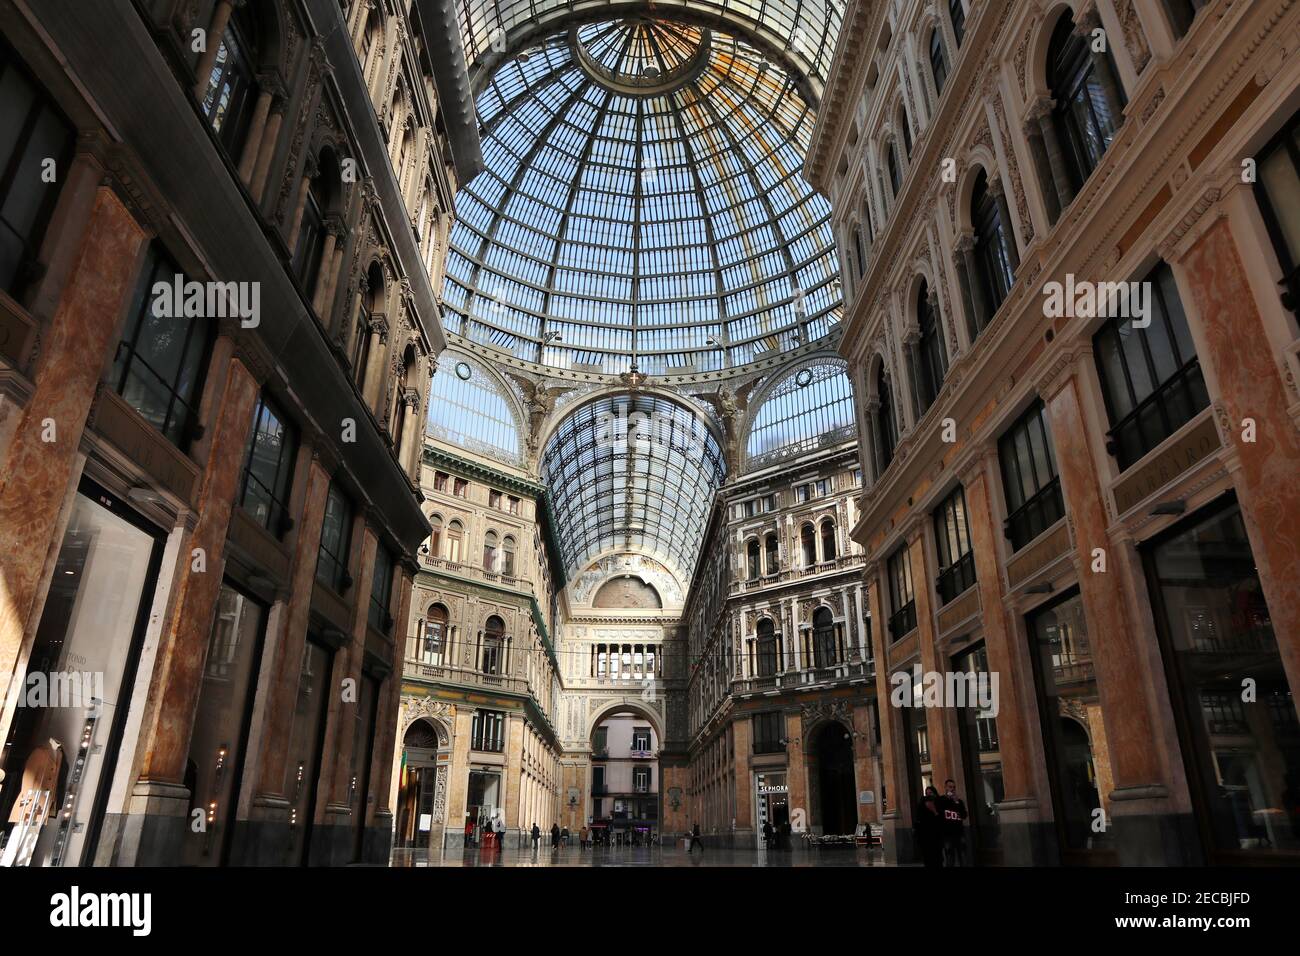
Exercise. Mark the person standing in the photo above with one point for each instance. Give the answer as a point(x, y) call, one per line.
point(555, 836)
point(954, 825)
point(768, 832)
point(537, 836)
point(928, 828)
point(583, 834)
point(695, 839)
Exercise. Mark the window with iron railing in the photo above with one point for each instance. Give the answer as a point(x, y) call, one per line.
point(1029, 477)
point(902, 596)
point(952, 536)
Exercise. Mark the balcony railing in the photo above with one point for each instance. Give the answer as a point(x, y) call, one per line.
point(476, 572)
point(849, 670)
point(841, 563)
point(453, 674)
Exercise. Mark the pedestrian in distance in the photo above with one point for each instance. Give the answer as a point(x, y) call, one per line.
point(928, 828)
point(954, 825)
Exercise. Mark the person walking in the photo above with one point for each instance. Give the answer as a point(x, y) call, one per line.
point(564, 836)
point(555, 836)
point(928, 828)
point(583, 834)
point(537, 836)
point(954, 825)
point(768, 832)
point(695, 839)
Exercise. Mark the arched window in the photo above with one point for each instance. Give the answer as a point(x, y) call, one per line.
point(751, 559)
point(809, 408)
point(773, 558)
point(311, 231)
point(371, 302)
point(766, 656)
point(1084, 114)
point(433, 644)
point(828, 540)
point(455, 541)
point(823, 638)
point(888, 432)
point(957, 16)
point(231, 86)
point(860, 252)
point(808, 539)
point(933, 363)
point(435, 536)
point(907, 133)
point(938, 62)
point(492, 660)
point(490, 551)
point(992, 261)
point(508, 556)
point(468, 407)
point(895, 178)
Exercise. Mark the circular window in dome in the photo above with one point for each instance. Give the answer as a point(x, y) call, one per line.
point(639, 55)
point(804, 378)
point(463, 371)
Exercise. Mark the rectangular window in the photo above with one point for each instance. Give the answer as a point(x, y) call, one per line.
point(488, 731)
point(641, 739)
point(461, 488)
point(494, 499)
point(1150, 377)
point(268, 467)
point(32, 131)
point(381, 586)
point(769, 733)
point(159, 366)
point(641, 779)
point(1277, 190)
point(512, 504)
point(1029, 478)
point(902, 597)
point(600, 742)
point(952, 535)
point(439, 481)
point(980, 751)
point(335, 538)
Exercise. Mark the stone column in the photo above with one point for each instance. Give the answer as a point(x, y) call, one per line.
point(513, 771)
point(1139, 803)
point(1245, 378)
point(1004, 213)
point(300, 203)
point(796, 769)
point(208, 58)
point(376, 360)
point(911, 340)
point(895, 808)
point(410, 429)
point(333, 230)
point(256, 130)
point(1008, 659)
point(266, 148)
point(863, 771)
point(742, 738)
point(38, 464)
point(458, 780)
point(873, 423)
point(1040, 112)
point(939, 720)
point(972, 289)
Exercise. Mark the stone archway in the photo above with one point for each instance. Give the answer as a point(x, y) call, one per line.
point(624, 787)
point(421, 777)
point(831, 780)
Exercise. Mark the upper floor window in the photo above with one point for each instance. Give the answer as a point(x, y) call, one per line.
point(490, 551)
point(1083, 114)
point(888, 431)
point(957, 16)
point(859, 251)
point(335, 535)
point(460, 488)
point(494, 499)
point(906, 129)
point(268, 467)
point(992, 261)
point(828, 540)
point(488, 731)
point(751, 559)
point(1277, 189)
point(952, 535)
point(455, 541)
point(435, 536)
point(641, 779)
point(767, 650)
point(769, 732)
point(228, 100)
point(508, 556)
point(773, 561)
point(1183, 12)
point(823, 638)
point(512, 504)
point(32, 131)
point(1029, 477)
point(808, 539)
point(641, 739)
point(902, 597)
point(933, 361)
point(895, 176)
point(1150, 377)
point(491, 660)
point(440, 481)
point(938, 62)
point(311, 234)
point(433, 641)
point(161, 360)
point(381, 588)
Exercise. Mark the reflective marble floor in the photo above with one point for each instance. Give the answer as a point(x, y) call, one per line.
point(572, 856)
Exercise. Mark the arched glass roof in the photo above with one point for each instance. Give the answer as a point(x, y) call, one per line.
point(642, 202)
point(808, 409)
point(632, 473)
point(467, 408)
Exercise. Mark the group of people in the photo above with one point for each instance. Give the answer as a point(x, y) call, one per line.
point(940, 826)
point(560, 836)
point(490, 831)
point(776, 838)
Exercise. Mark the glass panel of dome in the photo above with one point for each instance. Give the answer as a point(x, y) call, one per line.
point(808, 407)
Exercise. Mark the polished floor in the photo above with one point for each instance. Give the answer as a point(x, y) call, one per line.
point(674, 856)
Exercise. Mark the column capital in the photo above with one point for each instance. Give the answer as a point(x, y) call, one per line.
point(1059, 374)
point(995, 185)
point(965, 243)
point(1039, 109)
point(1087, 19)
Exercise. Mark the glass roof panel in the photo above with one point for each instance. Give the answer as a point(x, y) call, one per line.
point(467, 408)
point(642, 201)
point(810, 408)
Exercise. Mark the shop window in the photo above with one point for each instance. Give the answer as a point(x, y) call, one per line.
point(957, 17)
point(227, 102)
point(381, 588)
point(1150, 377)
point(306, 744)
point(1082, 114)
point(160, 362)
point(488, 731)
point(335, 540)
point(933, 362)
point(32, 131)
point(824, 644)
point(90, 633)
point(268, 467)
point(981, 753)
point(1029, 477)
point(992, 240)
point(952, 535)
point(769, 732)
point(220, 737)
point(938, 61)
point(1242, 751)
point(1277, 190)
point(1078, 761)
point(901, 595)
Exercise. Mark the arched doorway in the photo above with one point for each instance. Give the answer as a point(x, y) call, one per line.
point(830, 772)
point(418, 785)
point(625, 779)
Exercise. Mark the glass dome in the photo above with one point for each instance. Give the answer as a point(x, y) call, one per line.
point(642, 204)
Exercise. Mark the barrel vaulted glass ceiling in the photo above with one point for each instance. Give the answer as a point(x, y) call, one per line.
point(642, 201)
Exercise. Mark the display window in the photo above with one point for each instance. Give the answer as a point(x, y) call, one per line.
point(306, 745)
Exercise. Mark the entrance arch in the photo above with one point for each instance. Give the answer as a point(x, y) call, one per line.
point(625, 785)
point(422, 785)
point(831, 779)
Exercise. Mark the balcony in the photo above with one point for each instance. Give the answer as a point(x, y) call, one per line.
point(475, 572)
point(845, 562)
point(451, 674)
point(809, 676)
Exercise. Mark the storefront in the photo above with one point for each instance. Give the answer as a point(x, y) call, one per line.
point(772, 800)
point(63, 745)
point(307, 744)
point(981, 759)
point(418, 783)
point(483, 799)
point(1235, 710)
